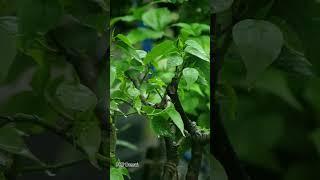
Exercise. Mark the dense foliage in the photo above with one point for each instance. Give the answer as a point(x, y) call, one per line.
point(268, 89)
point(53, 76)
point(160, 69)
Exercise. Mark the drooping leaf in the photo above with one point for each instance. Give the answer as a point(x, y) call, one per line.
point(76, 97)
point(176, 118)
point(194, 48)
point(190, 75)
point(259, 43)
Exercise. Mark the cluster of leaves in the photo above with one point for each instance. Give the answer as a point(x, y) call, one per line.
point(40, 83)
point(267, 84)
point(139, 78)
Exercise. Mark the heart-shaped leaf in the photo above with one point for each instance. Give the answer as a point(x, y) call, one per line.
point(259, 43)
point(190, 75)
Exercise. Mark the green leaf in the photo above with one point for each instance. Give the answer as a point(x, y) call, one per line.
point(12, 142)
point(161, 126)
point(76, 97)
point(124, 39)
point(159, 51)
point(126, 45)
point(137, 104)
point(140, 34)
point(221, 5)
point(174, 60)
point(194, 48)
point(8, 51)
point(157, 19)
point(176, 118)
point(190, 75)
point(259, 43)
point(133, 92)
point(38, 16)
point(118, 173)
